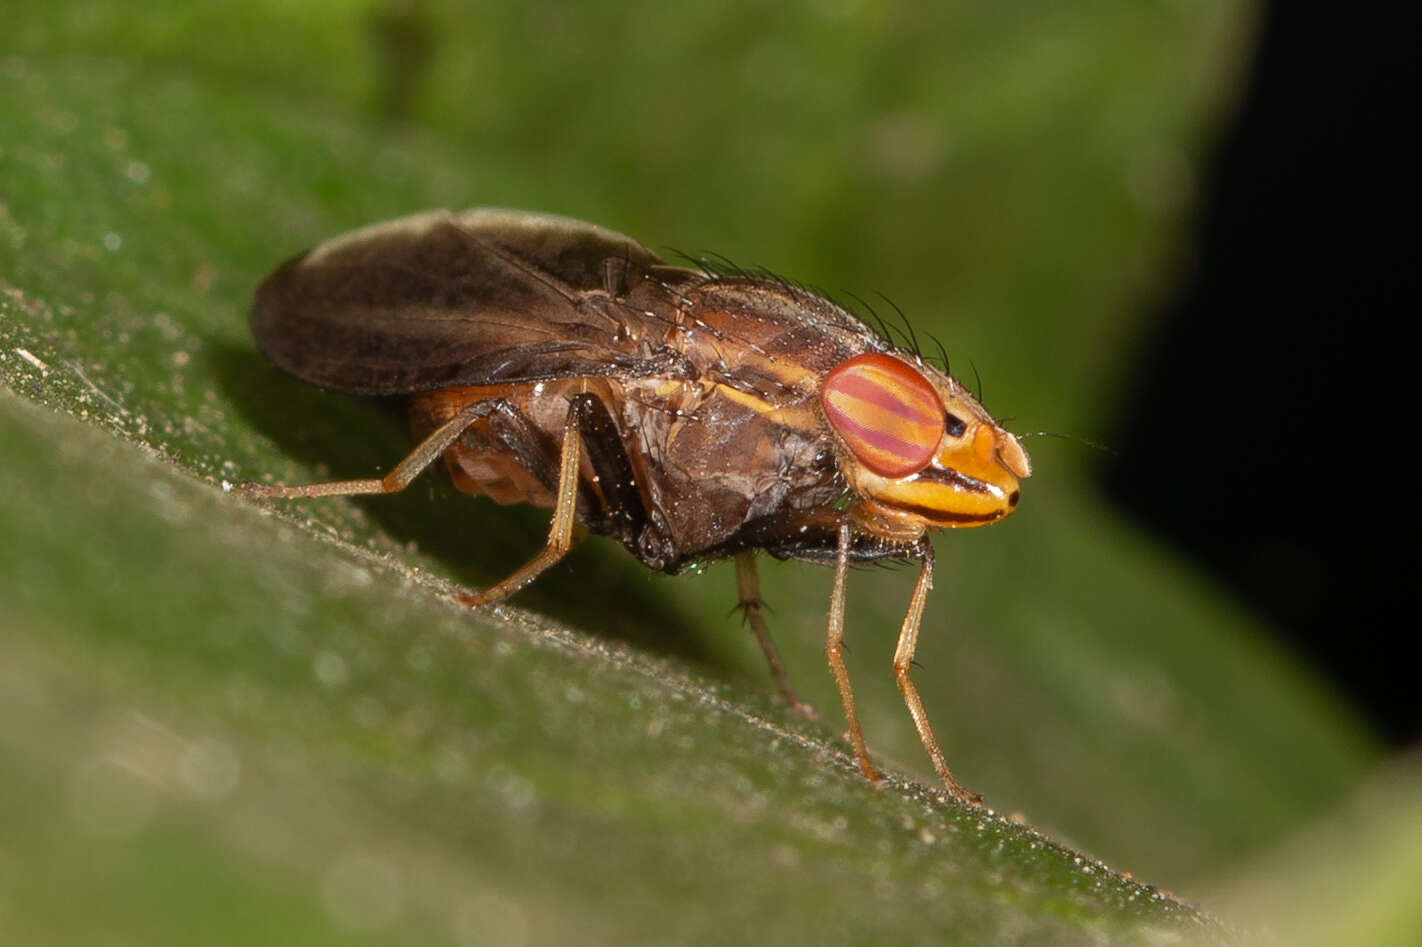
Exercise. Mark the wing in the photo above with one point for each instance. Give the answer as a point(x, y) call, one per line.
point(472, 298)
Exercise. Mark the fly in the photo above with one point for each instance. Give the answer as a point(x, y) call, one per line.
point(688, 415)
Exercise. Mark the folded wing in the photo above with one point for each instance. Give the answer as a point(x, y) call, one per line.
point(472, 298)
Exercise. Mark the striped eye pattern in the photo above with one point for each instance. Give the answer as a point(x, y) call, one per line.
point(887, 413)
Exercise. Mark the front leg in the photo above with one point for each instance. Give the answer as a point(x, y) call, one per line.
point(834, 652)
point(903, 661)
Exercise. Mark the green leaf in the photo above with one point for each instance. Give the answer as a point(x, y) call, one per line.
point(209, 708)
point(1352, 879)
point(238, 722)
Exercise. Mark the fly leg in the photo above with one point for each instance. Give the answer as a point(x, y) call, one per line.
point(615, 506)
point(748, 584)
point(424, 454)
point(608, 501)
point(560, 533)
point(903, 660)
point(834, 651)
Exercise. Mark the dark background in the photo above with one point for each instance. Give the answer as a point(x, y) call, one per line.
point(1272, 419)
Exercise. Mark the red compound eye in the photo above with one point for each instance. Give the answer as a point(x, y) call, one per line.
point(887, 413)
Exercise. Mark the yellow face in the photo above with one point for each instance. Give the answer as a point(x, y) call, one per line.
point(917, 448)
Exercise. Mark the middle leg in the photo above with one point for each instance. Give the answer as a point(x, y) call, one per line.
point(560, 531)
point(748, 584)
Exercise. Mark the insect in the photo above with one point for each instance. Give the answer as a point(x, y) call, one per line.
point(688, 415)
